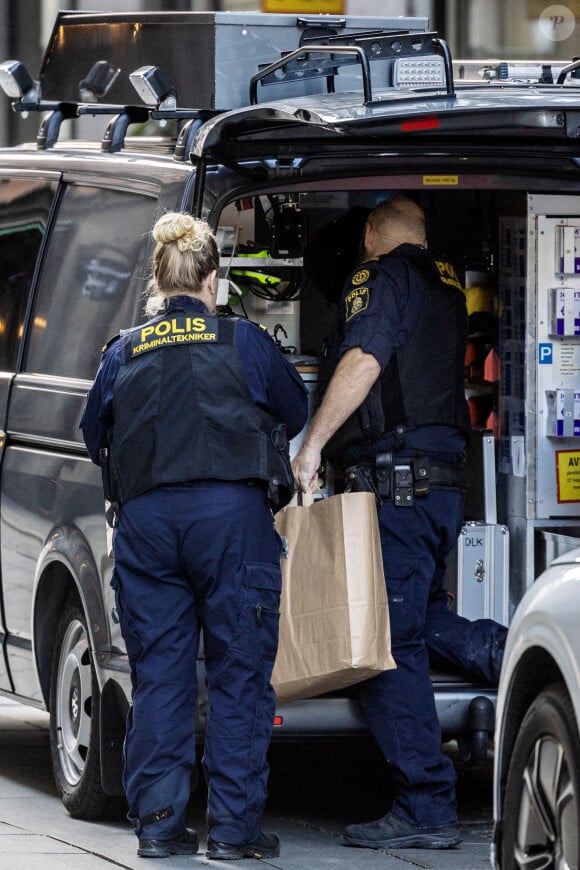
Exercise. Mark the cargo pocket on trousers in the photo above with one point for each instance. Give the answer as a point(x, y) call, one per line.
point(259, 617)
point(130, 636)
point(403, 615)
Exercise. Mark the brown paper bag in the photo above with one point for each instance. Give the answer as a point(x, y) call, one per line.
point(334, 623)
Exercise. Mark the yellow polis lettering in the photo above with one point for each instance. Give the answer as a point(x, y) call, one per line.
point(174, 327)
point(198, 324)
point(163, 327)
point(146, 331)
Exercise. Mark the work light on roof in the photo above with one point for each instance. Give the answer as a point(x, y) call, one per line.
point(153, 87)
point(98, 81)
point(425, 72)
point(16, 81)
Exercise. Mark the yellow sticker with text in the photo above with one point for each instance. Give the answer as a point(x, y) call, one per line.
point(568, 475)
point(357, 301)
point(442, 180)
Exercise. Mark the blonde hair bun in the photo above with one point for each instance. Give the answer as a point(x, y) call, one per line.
point(188, 233)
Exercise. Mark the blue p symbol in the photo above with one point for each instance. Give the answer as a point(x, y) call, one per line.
point(545, 354)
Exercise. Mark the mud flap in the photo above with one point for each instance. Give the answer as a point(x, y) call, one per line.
point(114, 707)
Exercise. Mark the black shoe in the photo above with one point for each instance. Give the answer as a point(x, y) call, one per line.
point(186, 844)
point(392, 832)
point(264, 846)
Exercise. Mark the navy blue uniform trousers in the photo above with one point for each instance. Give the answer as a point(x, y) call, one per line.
point(187, 558)
point(399, 705)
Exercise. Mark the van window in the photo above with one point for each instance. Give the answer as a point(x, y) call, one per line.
point(24, 208)
point(92, 279)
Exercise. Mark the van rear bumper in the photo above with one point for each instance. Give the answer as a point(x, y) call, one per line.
point(466, 711)
point(340, 716)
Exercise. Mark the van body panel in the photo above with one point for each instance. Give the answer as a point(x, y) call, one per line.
point(52, 516)
point(47, 410)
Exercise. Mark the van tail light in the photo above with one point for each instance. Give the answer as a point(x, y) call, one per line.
point(420, 124)
point(278, 720)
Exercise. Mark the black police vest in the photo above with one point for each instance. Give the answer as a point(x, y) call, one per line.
point(423, 383)
point(183, 411)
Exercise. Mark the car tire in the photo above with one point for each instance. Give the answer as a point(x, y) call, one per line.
point(541, 816)
point(74, 721)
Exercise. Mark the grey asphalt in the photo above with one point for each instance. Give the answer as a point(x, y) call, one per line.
point(36, 832)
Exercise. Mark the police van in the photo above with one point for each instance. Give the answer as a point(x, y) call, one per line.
point(281, 131)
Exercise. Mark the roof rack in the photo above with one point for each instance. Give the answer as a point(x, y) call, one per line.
point(322, 58)
point(149, 82)
point(539, 72)
point(415, 62)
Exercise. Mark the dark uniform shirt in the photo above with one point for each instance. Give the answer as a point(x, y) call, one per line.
point(381, 305)
point(273, 382)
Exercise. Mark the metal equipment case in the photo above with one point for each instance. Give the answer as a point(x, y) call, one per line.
point(208, 57)
point(482, 556)
point(482, 569)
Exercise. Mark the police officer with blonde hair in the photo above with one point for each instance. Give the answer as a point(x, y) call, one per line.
point(190, 416)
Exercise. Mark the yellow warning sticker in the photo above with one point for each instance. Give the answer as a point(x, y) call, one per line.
point(332, 7)
point(440, 180)
point(568, 475)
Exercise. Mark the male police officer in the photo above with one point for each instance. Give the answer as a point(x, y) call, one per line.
point(194, 411)
point(395, 410)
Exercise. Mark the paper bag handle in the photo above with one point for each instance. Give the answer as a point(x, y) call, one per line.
point(304, 499)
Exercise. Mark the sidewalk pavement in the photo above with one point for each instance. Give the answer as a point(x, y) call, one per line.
point(36, 832)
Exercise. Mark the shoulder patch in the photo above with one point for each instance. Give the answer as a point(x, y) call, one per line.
point(110, 342)
point(356, 301)
point(360, 277)
point(448, 274)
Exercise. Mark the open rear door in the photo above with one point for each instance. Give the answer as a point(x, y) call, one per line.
point(540, 348)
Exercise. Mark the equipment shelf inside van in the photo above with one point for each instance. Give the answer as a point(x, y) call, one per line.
point(283, 132)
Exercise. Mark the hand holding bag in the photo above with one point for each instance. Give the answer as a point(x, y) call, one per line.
point(334, 623)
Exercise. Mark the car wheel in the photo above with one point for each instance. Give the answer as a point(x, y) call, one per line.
point(74, 720)
point(542, 798)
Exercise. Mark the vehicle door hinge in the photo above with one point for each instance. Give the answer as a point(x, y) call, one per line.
point(285, 167)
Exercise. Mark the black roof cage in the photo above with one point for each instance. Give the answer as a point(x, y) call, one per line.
point(322, 58)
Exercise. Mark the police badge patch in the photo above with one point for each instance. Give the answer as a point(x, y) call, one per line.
point(357, 301)
point(360, 277)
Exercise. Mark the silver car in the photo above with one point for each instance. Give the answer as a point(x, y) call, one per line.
point(537, 758)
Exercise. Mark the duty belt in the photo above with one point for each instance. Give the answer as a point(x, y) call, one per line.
point(403, 479)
